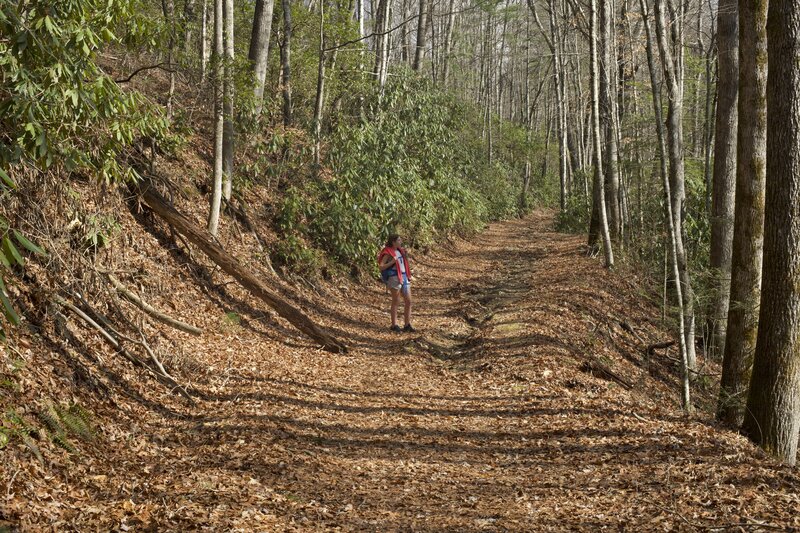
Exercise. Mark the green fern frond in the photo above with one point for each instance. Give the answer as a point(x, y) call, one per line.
point(50, 418)
point(76, 421)
point(60, 440)
point(20, 425)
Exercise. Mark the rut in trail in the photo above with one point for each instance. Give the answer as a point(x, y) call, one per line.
point(526, 402)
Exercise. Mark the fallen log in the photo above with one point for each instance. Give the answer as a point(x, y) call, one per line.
point(205, 241)
point(651, 349)
point(599, 370)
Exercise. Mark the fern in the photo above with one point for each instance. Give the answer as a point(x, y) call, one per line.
point(60, 422)
point(61, 440)
point(21, 425)
point(49, 417)
point(25, 432)
point(76, 420)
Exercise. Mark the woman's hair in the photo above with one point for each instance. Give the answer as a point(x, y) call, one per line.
point(391, 238)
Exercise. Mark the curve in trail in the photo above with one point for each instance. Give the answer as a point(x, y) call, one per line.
point(526, 402)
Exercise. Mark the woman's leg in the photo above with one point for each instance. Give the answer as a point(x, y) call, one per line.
point(407, 301)
point(395, 302)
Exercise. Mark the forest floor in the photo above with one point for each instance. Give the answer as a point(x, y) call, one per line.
point(526, 401)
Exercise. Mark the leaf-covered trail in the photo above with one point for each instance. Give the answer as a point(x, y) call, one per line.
point(484, 420)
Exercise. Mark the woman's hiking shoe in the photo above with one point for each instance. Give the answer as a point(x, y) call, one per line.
point(395, 328)
point(409, 328)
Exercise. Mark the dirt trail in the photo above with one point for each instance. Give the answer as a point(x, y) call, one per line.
point(484, 420)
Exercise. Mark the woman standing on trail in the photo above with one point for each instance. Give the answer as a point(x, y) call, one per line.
point(396, 273)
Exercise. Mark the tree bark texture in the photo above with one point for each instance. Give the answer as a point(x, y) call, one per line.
point(773, 406)
point(724, 181)
point(748, 230)
point(259, 49)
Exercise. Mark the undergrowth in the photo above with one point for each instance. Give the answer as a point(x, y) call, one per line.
point(418, 167)
point(59, 423)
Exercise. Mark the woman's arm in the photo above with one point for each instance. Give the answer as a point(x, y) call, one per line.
point(387, 261)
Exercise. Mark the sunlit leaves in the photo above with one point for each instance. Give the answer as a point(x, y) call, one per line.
point(10, 257)
point(60, 107)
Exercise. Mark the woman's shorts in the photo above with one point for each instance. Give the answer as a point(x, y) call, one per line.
point(394, 283)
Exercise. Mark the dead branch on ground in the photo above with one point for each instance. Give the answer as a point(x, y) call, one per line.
point(150, 310)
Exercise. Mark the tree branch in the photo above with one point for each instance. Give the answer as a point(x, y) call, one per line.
point(142, 69)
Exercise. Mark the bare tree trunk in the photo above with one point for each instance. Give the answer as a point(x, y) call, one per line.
point(548, 130)
point(434, 38)
point(708, 130)
point(318, 101)
point(259, 49)
point(748, 228)
point(228, 129)
point(205, 45)
point(724, 186)
point(448, 43)
point(360, 15)
point(608, 95)
point(553, 40)
point(580, 108)
point(404, 46)
point(773, 405)
point(286, 62)
point(189, 15)
point(422, 31)
point(599, 192)
point(500, 61)
point(526, 177)
point(216, 195)
point(561, 105)
point(168, 7)
point(382, 42)
point(672, 72)
point(670, 217)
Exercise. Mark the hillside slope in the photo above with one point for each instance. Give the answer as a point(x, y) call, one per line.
point(526, 401)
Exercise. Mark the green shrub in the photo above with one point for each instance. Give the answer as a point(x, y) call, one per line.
point(418, 167)
point(575, 217)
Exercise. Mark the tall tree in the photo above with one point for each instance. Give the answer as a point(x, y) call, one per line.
point(773, 405)
point(228, 104)
point(205, 42)
point(320, 98)
point(422, 33)
point(382, 42)
point(188, 24)
point(599, 189)
point(168, 8)
point(670, 218)
point(672, 66)
point(286, 62)
point(608, 98)
point(724, 183)
point(448, 43)
point(216, 195)
point(553, 40)
point(259, 49)
point(748, 231)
